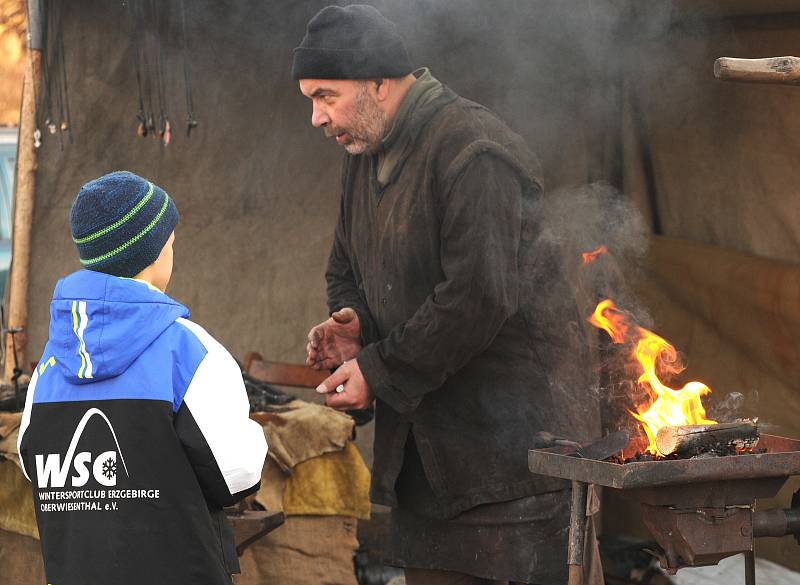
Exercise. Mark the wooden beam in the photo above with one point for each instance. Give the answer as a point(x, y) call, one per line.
point(780, 70)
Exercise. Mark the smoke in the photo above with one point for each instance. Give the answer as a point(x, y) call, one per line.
point(729, 409)
point(561, 292)
point(581, 220)
point(557, 72)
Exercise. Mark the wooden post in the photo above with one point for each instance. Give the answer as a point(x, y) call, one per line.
point(577, 533)
point(23, 203)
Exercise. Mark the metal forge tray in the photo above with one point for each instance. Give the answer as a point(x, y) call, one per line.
point(782, 459)
point(699, 510)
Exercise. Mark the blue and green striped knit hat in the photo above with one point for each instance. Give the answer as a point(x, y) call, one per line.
point(120, 223)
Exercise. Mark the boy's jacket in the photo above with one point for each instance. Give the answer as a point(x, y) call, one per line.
point(135, 434)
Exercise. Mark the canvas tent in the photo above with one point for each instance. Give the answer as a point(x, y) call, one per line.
point(609, 90)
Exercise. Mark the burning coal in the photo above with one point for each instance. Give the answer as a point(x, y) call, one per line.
point(657, 359)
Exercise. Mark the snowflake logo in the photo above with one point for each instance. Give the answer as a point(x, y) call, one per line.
point(109, 468)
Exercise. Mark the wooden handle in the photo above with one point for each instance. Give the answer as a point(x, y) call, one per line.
point(281, 374)
point(784, 70)
point(577, 532)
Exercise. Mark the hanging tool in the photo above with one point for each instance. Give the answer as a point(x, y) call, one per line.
point(191, 122)
point(17, 372)
point(137, 48)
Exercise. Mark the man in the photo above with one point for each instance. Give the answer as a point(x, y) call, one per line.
point(432, 309)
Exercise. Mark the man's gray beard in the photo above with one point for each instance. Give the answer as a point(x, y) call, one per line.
point(369, 127)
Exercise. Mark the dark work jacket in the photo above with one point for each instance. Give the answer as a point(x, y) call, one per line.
point(434, 263)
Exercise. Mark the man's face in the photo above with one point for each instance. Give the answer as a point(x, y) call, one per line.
point(348, 111)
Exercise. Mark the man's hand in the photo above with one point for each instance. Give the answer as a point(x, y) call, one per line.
point(333, 342)
point(353, 391)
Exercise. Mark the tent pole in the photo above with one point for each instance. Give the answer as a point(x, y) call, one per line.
point(23, 197)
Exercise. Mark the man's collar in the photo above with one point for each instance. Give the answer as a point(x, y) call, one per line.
point(423, 92)
point(425, 81)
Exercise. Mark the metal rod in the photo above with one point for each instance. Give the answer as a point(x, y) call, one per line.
point(577, 531)
point(749, 568)
point(776, 522)
point(36, 25)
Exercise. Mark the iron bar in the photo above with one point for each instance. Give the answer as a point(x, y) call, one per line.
point(750, 568)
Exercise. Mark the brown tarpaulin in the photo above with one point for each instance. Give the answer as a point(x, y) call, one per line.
point(20, 560)
point(306, 549)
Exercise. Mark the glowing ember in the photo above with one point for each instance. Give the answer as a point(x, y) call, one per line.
point(668, 407)
point(589, 257)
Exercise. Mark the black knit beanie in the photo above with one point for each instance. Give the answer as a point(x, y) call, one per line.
point(120, 222)
point(351, 42)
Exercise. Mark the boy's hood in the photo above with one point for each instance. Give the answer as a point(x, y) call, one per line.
point(100, 324)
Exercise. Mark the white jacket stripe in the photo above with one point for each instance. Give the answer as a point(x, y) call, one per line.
point(218, 402)
point(80, 320)
point(26, 417)
point(81, 329)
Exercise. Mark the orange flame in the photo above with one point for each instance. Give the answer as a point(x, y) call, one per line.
point(613, 321)
point(668, 407)
point(589, 257)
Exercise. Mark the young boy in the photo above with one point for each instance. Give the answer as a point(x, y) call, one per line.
point(135, 432)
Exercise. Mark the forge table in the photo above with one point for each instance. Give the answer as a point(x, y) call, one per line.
point(699, 510)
